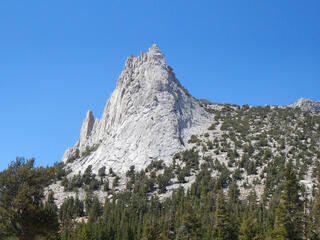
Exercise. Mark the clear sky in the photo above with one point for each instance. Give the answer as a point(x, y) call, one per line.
point(60, 58)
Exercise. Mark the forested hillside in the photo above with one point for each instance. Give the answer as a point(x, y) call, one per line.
point(254, 174)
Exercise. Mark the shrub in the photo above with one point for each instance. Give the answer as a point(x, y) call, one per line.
point(115, 182)
point(102, 171)
point(155, 164)
point(194, 139)
point(89, 150)
point(74, 156)
point(210, 144)
point(212, 126)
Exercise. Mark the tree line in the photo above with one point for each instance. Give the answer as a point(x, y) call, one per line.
point(207, 210)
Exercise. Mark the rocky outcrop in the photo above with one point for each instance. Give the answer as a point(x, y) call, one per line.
point(149, 115)
point(86, 129)
point(307, 105)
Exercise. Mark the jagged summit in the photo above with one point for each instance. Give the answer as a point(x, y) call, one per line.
point(148, 116)
point(307, 105)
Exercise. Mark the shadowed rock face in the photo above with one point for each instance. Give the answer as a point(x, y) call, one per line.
point(148, 116)
point(307, 105)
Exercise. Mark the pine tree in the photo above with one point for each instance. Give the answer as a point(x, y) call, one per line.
point(222, 226)
point(191, 224)
point(249, 229)
point(252, 205)
point(233, 198)
point(85, 233)
point(289, 212)
point(52, 212)
point(50, 205)
point(22, 213)
point(78, 210)
point(314, 222)
point(151, 230)
point(283, 223)
point(95, 210)
point(233, 193)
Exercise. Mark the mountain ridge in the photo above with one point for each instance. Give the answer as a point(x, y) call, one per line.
point(148, 102)
point(151, 121)
point(306, 104)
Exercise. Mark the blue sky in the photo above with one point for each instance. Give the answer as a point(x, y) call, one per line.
point(60, 58)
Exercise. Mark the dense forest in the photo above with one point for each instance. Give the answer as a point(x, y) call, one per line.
point(206, 211)
point(246, 178)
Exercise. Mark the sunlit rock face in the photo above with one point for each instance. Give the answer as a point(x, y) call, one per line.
point(307, 105)
point(149, 116)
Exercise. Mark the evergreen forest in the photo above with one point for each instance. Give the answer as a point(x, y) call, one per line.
point(246, 178)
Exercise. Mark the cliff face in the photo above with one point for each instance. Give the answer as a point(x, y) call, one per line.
point(149, 115)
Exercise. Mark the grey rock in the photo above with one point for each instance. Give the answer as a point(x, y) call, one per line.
point(149, 116)
point(86, 128)
point(307, 105)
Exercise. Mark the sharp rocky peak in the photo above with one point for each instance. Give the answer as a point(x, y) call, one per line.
point(148, 117)
point(152, 56)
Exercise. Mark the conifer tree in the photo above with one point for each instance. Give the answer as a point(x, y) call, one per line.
point(191, 224)
point(52, 211)
point(22, 213)
point(233, 199)
point(50, 205)
point(314, 221)
point(289, 212)
point(222, 226)
point(95, 210)
point(151, 230)
point(233, 193)
point(248, 229)
point(78, 207)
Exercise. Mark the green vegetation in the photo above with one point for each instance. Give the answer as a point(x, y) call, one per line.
point(208, 210)
point(262, 152)
point(89, 150)
point(74, 156)
point(22, 213)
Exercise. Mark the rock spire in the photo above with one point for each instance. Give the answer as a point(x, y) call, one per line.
point(148, 116)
